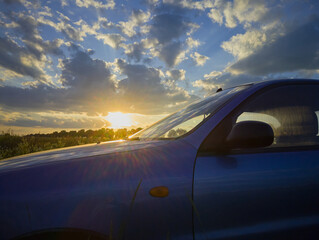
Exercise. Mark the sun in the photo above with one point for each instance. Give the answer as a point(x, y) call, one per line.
point(119, 120)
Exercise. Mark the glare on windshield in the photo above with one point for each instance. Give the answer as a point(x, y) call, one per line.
point(183, 121)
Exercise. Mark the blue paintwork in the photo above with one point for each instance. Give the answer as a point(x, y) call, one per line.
point(91, 192)
point(92, 187)
point(240, 195)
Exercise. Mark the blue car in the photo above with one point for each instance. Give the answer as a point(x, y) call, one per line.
point(242, 163)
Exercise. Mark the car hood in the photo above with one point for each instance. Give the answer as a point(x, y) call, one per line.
point(64, 154)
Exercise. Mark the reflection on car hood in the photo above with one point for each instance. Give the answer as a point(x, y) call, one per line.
point(75, 152)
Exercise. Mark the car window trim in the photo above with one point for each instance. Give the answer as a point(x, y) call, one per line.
point(250, 98)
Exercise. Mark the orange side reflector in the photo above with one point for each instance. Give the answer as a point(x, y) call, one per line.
point(160, 192)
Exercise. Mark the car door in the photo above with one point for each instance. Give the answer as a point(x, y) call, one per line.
point(267, 192)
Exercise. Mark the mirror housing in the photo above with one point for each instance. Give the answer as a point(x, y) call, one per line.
point(250, 134)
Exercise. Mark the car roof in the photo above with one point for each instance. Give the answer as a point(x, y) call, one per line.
point(259, 85)
point(284, 81)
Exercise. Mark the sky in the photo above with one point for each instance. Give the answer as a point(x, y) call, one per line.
point(88, 64)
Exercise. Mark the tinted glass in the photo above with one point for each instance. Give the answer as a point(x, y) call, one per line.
point(292, 112)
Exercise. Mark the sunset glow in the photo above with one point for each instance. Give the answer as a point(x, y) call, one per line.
point(119, 120)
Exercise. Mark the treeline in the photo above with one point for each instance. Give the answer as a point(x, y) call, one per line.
point(13, 145)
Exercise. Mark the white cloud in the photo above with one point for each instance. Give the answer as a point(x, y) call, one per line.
point(216, 16)
point(242, 45)
point(137, 18)
point(210, 81)
point(238, 11)
point(64, 3)
point(213, 74)
point(46, 11)
point(199, 59)
point(110, 4)
point(87, 29)
point(31, 58)
point(65, 27)
point(105, 23)
point(192, 43)
point(114, 40)
point(230, 20)
point(198, 5)
point(82, 29)
point(206, 85)
point(217, 79)
point(152, 2)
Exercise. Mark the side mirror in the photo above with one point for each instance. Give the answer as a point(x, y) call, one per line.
point(250, 134)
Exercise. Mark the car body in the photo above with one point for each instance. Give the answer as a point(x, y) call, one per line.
point(246, 167)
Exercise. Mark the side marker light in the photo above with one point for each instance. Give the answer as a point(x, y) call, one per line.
point(159, 191)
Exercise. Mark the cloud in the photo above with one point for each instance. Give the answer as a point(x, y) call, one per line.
point(114, 40)
point(71, 32)
point(172, 53)
point(297, 50)
point(110, 4)
point(211, 81)
point(171, 45)
point(135, 51)
point(64, 26)
point(51, 120)
point(140, 17)
point(19, 60)
point(242, 45)
point(137, 18)
point(28, 55)
point(87, 86)
point(83, 72)
point(176, 74)
point(80, 29)
point(27, 26)
point(199, 59)
point(192, 43)
point(198, 5)
point(164, 34)
point(26, 3)
point(217, 79)
point(105, 23)
point(64, 3)
point(144, 91)
point(151, 2)
point(216, 16)
point(245, 12)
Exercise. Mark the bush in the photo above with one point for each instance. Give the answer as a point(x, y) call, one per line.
point(12, 145)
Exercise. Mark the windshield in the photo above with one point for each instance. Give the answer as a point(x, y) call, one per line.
point(183, 121)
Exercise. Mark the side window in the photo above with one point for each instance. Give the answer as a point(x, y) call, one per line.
point(292, 112)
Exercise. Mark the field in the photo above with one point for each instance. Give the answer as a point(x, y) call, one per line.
point(13, 145)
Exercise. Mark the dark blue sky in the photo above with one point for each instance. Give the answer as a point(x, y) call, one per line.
point(66, 64)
